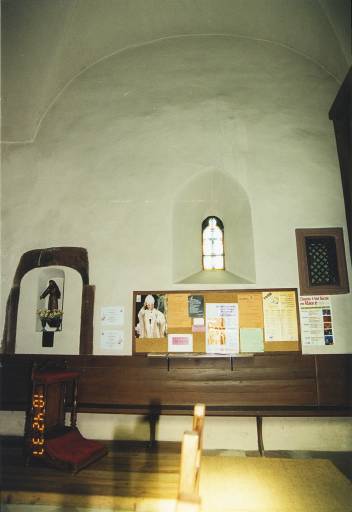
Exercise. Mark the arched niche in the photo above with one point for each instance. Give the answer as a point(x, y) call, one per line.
point(75, 258)
point(29, 332)
point(212, 193)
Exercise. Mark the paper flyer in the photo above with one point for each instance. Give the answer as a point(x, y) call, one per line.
point(280, 322)
point(111, 340)
point(112, 315)
point(221, 328)
point(177, 312)
point(316, 320)
point(251, 339)
point(198, 325)
point(196, 306)
point(251, 310)
point(180, 343)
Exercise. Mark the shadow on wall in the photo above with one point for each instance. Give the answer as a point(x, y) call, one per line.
point(218, 194)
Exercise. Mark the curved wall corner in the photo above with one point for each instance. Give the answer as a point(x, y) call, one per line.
point(212, 193)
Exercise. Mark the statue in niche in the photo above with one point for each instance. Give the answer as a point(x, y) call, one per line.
point(51, 316)
point(54, 295)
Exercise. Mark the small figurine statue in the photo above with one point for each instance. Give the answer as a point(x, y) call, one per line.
point(54, 294)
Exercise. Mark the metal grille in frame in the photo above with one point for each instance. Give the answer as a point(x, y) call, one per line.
point(322, 261)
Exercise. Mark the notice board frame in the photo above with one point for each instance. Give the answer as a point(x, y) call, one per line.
point(159, 346)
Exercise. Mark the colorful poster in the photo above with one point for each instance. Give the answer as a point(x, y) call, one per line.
point(280, 316)
point(150, 316)
point(222, 328)
point(316, 320)
point(180, 343)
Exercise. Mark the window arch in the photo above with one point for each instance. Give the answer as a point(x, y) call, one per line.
point(213, 244)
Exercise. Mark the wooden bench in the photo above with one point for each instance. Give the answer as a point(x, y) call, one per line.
point(259, 386)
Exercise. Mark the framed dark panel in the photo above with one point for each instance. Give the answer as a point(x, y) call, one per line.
point(321, 261)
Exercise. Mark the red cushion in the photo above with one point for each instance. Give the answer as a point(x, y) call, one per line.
point(51, 377)
point(73, 448)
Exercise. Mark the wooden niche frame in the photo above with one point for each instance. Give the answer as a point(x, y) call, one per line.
point(306, 288)
point(73, 257)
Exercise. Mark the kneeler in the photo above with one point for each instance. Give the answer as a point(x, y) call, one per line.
point(47, 437)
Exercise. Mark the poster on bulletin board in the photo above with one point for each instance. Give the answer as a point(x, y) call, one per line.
point(316, 320)
point(216, 322)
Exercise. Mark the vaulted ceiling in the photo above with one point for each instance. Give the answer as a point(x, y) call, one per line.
point(47, 43)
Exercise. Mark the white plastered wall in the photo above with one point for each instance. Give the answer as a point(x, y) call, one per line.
point(116, 149)
point(78, 33)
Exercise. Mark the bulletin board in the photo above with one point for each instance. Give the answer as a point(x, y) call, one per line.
point(216, 322)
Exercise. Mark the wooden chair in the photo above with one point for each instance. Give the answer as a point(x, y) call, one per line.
point(188, 499)
point(47, 437)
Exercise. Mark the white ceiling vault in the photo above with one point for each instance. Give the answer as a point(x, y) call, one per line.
point(47, 43)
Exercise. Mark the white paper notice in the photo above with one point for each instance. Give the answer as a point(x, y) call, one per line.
point(111, 340)
point(316, 320)
point(180, 343)
point(280, 323)
point(112, 315)
point(222, 328)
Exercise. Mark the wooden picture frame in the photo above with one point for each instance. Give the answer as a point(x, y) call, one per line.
point(334, 234)
point(160, 345)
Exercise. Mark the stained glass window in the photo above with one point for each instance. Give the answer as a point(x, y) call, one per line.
point(213, 244)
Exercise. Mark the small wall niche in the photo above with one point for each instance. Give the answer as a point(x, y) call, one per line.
point(218, 194)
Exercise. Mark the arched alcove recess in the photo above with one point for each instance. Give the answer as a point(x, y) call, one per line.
point(73, 257)
point(219, 194)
